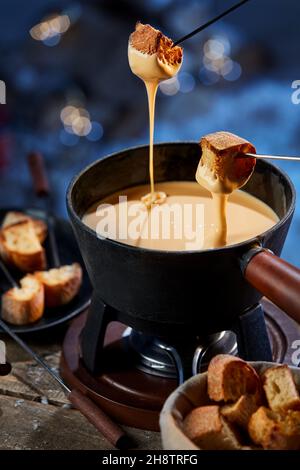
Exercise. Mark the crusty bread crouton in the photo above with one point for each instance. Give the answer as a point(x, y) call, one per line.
point(24, 304)
point(240, 412)
point(208, 430)
point(280, 389)
point(230, 377)
point(13, 217)
point(275, 430)
point(219, 169)
point(21, 247)
point(60, 284)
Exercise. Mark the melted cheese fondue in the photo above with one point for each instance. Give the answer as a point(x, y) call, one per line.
point(186, 221)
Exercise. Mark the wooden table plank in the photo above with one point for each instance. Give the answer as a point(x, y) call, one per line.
point(29, 425)
point(30, 381)
point(35, 414)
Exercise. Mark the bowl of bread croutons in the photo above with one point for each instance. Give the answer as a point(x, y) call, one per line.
point(235, 405)
point(22, 250)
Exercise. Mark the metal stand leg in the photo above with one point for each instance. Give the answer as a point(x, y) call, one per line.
point(252, 336)
point(92, 337)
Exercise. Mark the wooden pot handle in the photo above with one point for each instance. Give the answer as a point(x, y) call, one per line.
point(38, 173)
point(278, 280)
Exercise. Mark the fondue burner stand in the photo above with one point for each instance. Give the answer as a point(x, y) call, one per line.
point(130, 374)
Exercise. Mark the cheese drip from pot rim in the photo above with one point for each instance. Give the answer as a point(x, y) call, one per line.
point(153, 59)
point(221, 172)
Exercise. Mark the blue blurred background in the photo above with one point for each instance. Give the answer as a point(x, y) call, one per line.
point(71, 95)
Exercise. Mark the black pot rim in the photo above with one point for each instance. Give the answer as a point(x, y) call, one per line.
point(252, 241)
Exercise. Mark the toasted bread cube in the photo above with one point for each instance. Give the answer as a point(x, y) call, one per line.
point(280, 388)
point(219, 169)
point(229, 377)
point(60, 284)
point(240, 412)
point(21, 247)
point(39, 226)
point(24, 304)
point(208, 430)
point(275, 430)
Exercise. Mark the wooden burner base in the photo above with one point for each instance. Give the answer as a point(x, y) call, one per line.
point(133, 397)
point(128, 395)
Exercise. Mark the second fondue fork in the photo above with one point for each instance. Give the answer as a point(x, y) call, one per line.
point(268, 157)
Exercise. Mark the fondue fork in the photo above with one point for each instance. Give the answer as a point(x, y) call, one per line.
point(205, 25)
point(92, 412)
point(268, 157)
point(41, 187)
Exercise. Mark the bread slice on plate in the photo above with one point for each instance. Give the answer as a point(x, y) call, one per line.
point(24, 304)
point(209, 430)
point(20, 247)
point(229, 377)
point(275, 430)
point(240, 412)
point(14, 217)
point(61, 284)
point(280, 388)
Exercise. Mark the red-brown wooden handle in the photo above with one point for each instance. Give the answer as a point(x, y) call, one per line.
point(278, 280)
point(38, 173)
point(100, 420)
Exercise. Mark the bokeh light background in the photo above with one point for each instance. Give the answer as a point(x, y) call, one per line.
point(71, 95)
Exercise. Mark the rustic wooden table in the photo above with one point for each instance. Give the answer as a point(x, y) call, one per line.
point(34, 412)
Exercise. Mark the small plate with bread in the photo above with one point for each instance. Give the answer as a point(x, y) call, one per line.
point(235, 405)
point(34, 295)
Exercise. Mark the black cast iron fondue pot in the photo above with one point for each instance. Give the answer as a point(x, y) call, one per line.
point(178, 293)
